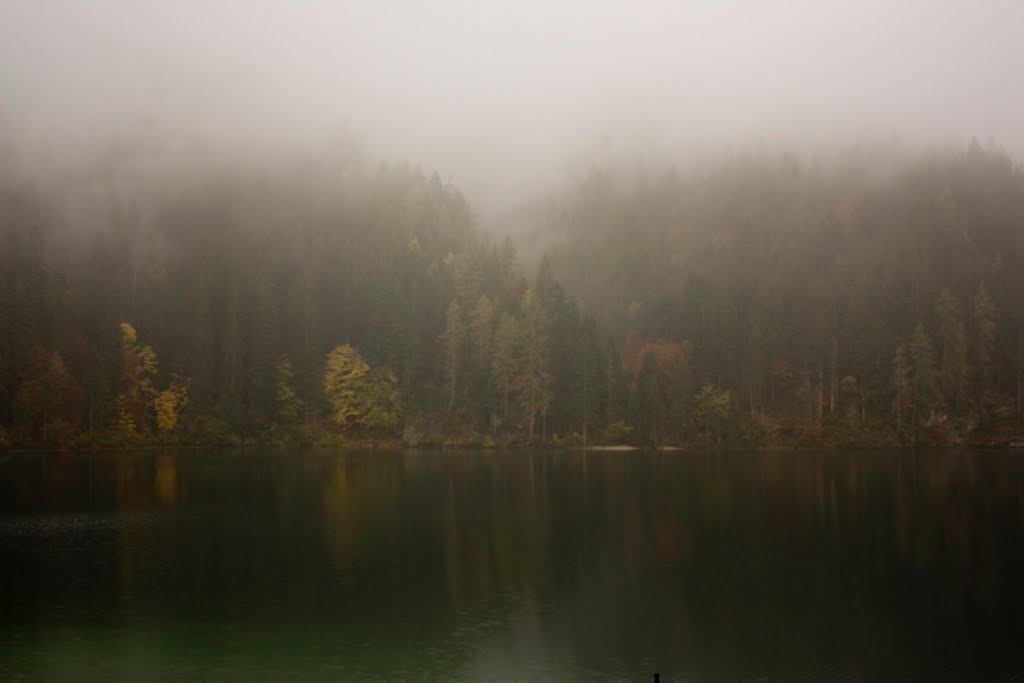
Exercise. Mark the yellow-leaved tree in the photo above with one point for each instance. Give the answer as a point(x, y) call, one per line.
point(138, 366)
point(289, 405)
point(358, 395)
point(169, 403)
point(343, 380)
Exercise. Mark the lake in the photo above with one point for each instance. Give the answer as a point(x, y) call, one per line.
point(511, 565)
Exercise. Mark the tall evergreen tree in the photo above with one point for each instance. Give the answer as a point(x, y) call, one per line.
point(984, 317)
point(453, 340)
point(532, 380)
point(504, 358)
point(649, 401)
point(952, 347)
point(926, 395)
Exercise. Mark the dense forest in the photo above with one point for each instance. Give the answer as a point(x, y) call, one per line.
point(764, 300)
point(858, 299)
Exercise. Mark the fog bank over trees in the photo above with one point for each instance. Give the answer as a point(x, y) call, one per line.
point(505, 98)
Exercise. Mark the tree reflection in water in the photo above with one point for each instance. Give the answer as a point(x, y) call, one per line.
point(491, 565)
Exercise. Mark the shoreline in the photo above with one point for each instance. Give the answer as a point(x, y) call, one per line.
point(609, 448)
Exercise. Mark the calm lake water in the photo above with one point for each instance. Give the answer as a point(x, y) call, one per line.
point(511, 566)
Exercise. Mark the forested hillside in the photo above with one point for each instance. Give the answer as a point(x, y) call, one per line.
point(840, 301)
point(242, 306)
point(764, 300)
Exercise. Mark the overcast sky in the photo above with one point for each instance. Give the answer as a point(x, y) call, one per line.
point(498, 96)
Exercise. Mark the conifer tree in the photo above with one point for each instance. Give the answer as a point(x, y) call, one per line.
point(984, 316)
point(45, 407)
point(532, 380)
point(503, 358)
point(453, 341)
point(902, 384)
point(952, 347)
point(289, 405)
point(481, 330)
point(649, 401)
point(926, 395)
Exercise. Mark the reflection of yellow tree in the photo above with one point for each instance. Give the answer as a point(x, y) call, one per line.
point(130, 489)
point(503, 546)
point(165, 483)
point(489, 534)
point(357, 501)
point(338, 509)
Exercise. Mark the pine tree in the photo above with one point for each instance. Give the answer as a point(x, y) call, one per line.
point(902, 384)
point(618, 388)
point(503, 358)
point(380, 404)
point(532, 380)
point(289, 405)
point(952, 347)
point(984, 316)
point(264, 343)
point(649, 401)
point(680, 397)
point(926, 395)
point(47, 405)
point(480, 330)
point(453, 341)
point(712, 410)
point(588, 388)
point(467, 276)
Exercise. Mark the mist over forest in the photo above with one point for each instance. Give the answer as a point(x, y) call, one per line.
point(509, 223)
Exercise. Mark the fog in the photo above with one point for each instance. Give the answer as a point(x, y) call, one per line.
point(502, 98)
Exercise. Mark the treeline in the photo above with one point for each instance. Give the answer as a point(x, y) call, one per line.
point(239, 306)
point(858, 300)
point(764, 301)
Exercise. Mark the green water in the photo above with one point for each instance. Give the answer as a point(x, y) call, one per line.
point(511, 566)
